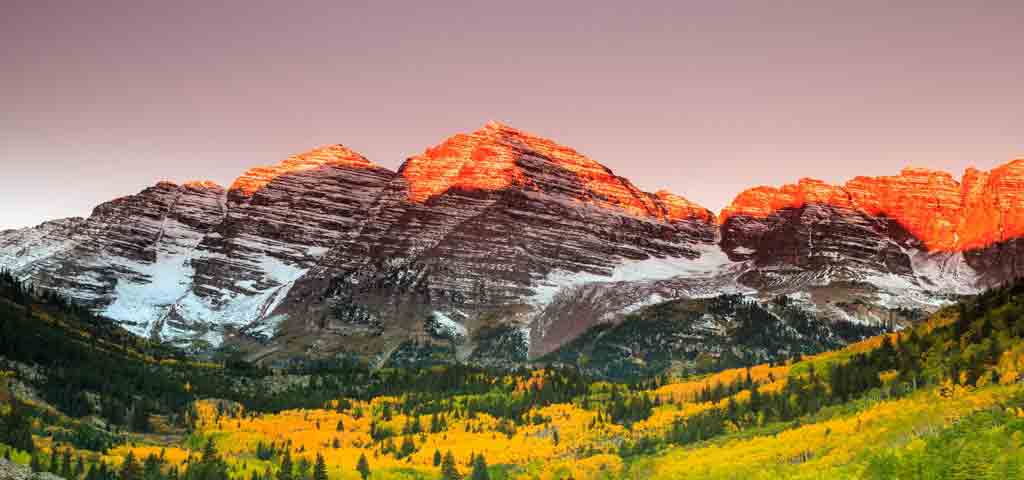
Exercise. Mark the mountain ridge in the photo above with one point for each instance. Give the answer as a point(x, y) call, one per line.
point(502, 227)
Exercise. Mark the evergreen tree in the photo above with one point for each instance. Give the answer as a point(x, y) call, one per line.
point(130, 469)
point(363, 467)
point(209, 451)
point(140, 417)
point(302, 469)
point(320, 469)
point(16, 428)
point(448, 469)
point(437, 458)
point(54, 467)
point(285, 473)
point(65, 467)
point(407, 448)
point(479, 469)
point(151, 468)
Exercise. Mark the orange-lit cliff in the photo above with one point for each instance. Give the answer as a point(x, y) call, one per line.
point(490, 159)
point(981, 209)
point(328, 155)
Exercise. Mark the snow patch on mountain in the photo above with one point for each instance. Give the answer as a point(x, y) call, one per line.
point(710, 260)
point(451, 326)
point(945, 272)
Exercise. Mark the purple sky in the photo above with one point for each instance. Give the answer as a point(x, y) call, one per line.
point(101, 99)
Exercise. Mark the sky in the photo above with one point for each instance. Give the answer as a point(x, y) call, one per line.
point(101, 99)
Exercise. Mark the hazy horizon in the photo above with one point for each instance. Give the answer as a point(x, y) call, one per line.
point(103, 99)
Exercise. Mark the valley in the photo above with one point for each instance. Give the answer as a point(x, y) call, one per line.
point(932, 401)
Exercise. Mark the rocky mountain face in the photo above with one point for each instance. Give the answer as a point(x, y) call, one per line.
point(913, 236)
point(485, 229)
point(497, 245)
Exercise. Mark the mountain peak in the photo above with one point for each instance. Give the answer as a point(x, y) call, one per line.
point(203, 185)
point(494, 125)
point(327, 155)
point(498, 157)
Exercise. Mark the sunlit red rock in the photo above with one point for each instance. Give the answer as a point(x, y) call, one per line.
point(258, 177)
point(994, 204)
point(677, 207)
point(944, 214)
point(490, 159)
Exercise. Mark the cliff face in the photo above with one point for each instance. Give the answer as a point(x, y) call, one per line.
point(921, 225)
point(945, 215)
point(499, 230)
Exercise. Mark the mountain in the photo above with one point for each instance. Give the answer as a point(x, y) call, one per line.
point(487, 229)
point(499, 245)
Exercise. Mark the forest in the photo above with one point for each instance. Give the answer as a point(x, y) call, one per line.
point(83, 399)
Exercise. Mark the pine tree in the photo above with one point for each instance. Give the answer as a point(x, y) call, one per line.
point(407, 448)
point(363, 467)
point(479, 469)
point(437, 458)
point(448, 468)
point(16, 428)
point(302, 469)
point(130, 469)
point(151, 468)
point(65, 468)
point(320, 469)
point(54, 467)
point(209, 451)
point(285, 473)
